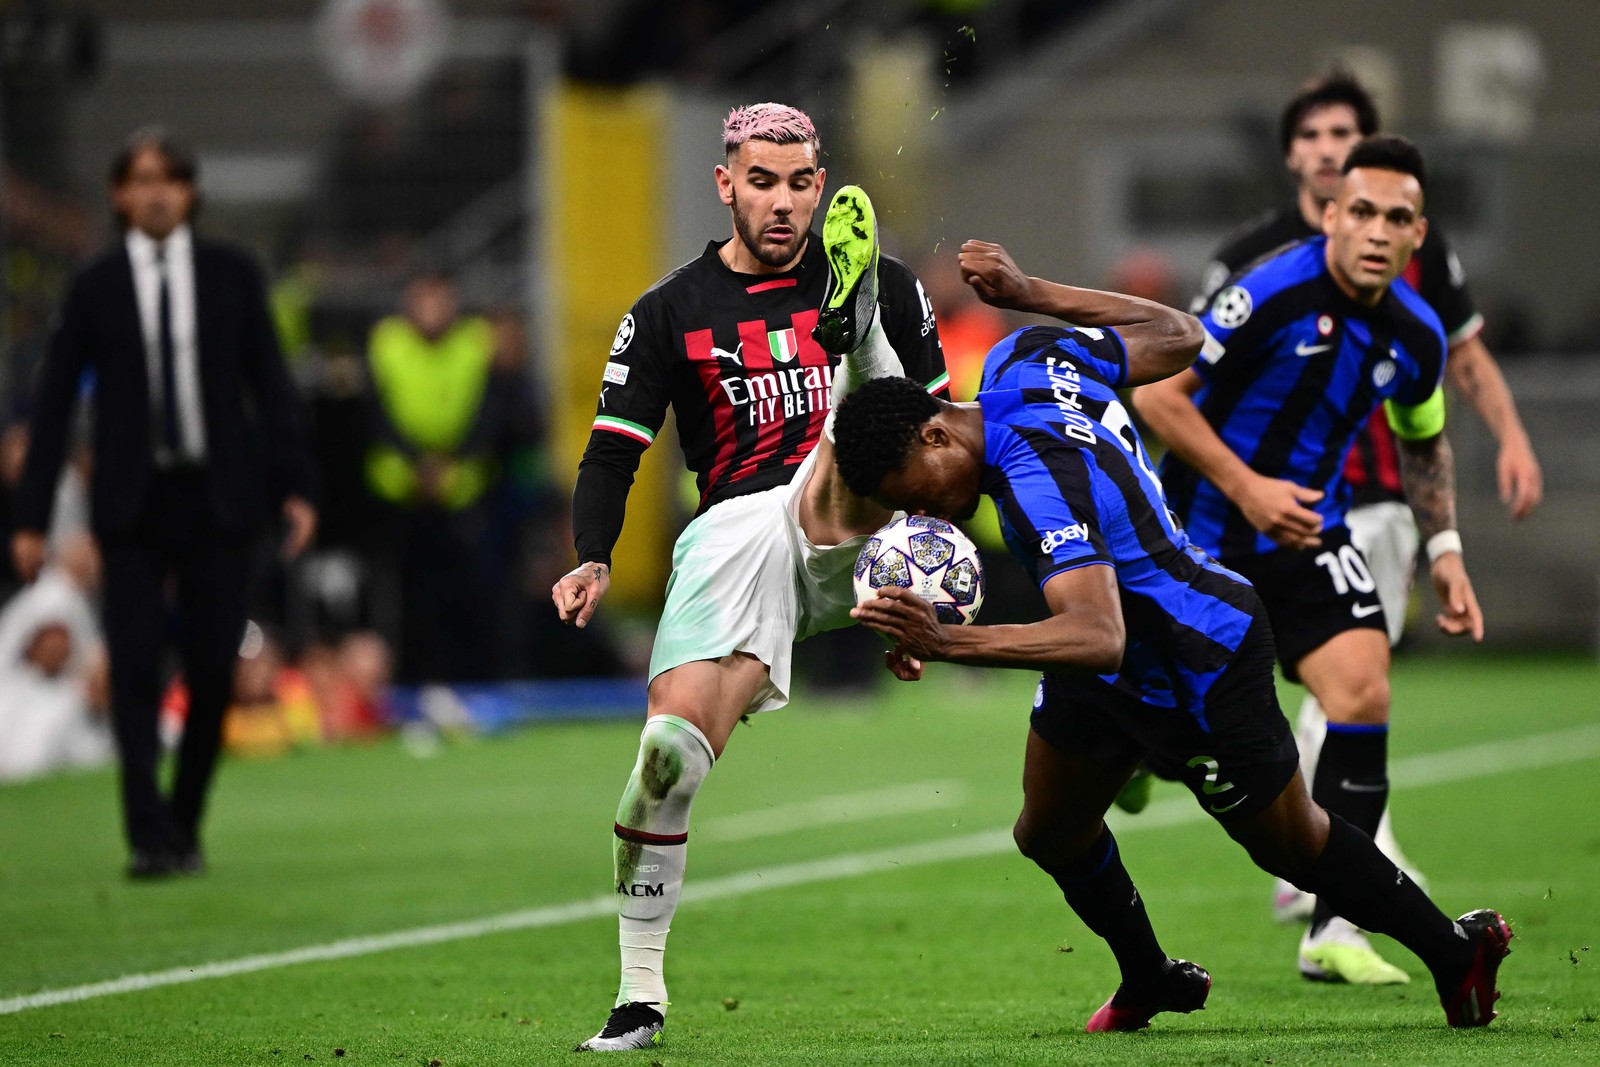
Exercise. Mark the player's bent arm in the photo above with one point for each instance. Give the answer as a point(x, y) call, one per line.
point(1160, 341)
point(1427, 473)
point(1274, 506)
point(599, 503)
point(1477, 377)
point(1085, 629)
point(1169, 409)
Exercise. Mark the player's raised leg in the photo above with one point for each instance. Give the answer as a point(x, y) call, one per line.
point(693, 709)
point(1062, 829)
point(850, 326)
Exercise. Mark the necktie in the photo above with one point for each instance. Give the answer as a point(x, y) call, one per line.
point(169, 359)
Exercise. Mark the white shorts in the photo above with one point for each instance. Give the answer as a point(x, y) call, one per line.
point(1386, 533)
point(745, 578)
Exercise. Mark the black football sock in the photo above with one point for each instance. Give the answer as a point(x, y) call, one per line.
point(1363, 885)
point(1098, 889)
point(1352, 781)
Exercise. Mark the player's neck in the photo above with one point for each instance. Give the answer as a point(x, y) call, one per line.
point(1310, 208)
point(738, 258)
point(1364, 297)
point(966, 420)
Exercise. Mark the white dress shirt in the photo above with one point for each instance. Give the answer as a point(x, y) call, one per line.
point(179, 257)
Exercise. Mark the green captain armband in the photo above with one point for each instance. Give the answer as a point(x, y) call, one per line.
point(1417, 423)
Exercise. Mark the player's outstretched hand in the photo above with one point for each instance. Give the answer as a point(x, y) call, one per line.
point(578, 593)
point(995, 276)
point(1277, 508)
point(906, 620)
point(1521, 480)
point(1460, 614)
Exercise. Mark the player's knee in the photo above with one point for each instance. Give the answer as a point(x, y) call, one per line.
point(674, 759)
point(1363, 700)
point(1048, 843)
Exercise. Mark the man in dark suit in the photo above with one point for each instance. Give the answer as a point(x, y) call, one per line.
point(196, 441)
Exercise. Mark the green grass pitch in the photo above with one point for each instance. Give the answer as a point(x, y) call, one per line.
point(930, 942)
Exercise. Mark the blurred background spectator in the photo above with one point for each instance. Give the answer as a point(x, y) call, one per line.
point(54, 693)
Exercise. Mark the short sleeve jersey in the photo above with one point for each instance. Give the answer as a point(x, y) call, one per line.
point(1292, 369)
point(1073, 486)
point(732, 355)
point(1372, 469)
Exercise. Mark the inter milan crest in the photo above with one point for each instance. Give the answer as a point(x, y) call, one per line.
point(1232, 307)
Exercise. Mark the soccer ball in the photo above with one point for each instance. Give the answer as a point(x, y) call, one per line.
point(931, 558)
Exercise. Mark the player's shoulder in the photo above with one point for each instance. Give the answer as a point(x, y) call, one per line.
point(110, 259)
point(1265, 233)
point(895, 272)
point(1415, 320)
point(1038, 351)
point(1438, 260)
point(685, 278)
point(234, 259)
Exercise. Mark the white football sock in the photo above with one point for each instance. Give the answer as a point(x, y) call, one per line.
point(652, 831)
point(875, 357)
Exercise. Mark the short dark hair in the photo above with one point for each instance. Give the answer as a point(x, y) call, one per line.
point(874, 428)
point(180, 160)
point(1388, 152)
point(1337, 86)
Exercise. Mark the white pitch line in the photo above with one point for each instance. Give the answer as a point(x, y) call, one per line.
point(834, 810)
point(1476, 761)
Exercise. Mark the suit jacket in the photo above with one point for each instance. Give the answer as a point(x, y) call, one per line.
point(255, 453)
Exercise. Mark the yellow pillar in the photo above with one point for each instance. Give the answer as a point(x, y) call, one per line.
point(605, 198)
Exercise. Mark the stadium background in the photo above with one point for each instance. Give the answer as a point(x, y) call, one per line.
point(555, 158)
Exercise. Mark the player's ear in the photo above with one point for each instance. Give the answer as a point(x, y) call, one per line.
point(724, 184)
point(1329, 211)
point(1422, 229)
point(933, 435)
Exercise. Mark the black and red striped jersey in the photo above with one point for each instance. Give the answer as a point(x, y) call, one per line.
point(732, 355)
point(1372, 467)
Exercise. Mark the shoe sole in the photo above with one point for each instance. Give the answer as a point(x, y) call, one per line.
point(849, 238)
point(625, 1043)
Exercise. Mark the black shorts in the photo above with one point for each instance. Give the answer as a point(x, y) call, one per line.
point(1236, 762)
point(1313, 594)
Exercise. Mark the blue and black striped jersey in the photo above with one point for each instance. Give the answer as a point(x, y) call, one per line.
point(1292, 369)
point(1073, 486)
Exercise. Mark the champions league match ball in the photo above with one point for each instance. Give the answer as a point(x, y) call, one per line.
point(931, 558)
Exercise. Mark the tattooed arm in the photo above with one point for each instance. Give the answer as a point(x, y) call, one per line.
point(1476, 376)
point(1427, 471)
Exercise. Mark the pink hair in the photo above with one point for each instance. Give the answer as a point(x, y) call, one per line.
point(778, 123)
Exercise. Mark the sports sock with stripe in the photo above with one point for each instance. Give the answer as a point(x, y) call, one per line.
point(652, 833)
point(1098, 888)
point(1352, 781)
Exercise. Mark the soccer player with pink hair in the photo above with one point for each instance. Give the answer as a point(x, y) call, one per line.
point(751, 344)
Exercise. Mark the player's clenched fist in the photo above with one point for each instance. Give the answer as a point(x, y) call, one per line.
point(578, 593)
